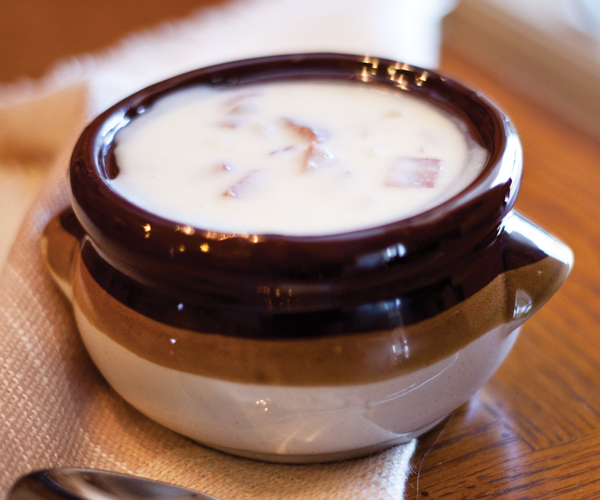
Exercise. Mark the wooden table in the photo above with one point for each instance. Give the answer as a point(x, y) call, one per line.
point(533, 431)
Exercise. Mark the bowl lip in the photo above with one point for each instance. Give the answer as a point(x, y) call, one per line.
point(105, 214)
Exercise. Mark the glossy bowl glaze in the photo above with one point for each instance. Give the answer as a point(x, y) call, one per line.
point(299, 348)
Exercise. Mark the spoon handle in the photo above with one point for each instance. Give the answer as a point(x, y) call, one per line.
point(69, 483)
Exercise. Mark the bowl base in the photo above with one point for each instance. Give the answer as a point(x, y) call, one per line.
point(335, 456)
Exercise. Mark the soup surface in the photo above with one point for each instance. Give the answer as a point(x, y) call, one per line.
point(293, 158)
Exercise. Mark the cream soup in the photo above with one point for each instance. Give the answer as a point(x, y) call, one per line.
point(294, 158)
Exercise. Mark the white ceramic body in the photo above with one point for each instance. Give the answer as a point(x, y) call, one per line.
point(298, 424)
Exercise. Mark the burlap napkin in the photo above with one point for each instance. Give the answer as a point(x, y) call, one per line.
point(55, 408)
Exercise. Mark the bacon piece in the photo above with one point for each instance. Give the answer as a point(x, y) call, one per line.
point(238, 98)
point(231, 123)
point(237, 122)
point(247, 185)
point(310, 132)
point(414, 172)
point(316, 157)
point(395, 113)
point(239, 109)
point(239, 104)
point(288, 149)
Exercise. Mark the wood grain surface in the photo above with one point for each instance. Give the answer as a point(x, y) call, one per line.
point(533, 431)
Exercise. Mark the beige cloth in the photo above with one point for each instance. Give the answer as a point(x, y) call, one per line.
point(55, 407)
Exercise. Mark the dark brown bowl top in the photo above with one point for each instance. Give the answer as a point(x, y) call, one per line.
point(316, 274)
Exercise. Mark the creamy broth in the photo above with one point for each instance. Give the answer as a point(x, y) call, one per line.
point(294, 158)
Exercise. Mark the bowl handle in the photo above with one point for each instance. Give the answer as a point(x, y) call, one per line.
point(537, 265)
point(61, 243)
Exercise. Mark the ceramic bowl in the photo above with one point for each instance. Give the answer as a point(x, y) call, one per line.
point(299, 348)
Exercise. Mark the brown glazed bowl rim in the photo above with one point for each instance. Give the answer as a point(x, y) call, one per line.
point(147, 247)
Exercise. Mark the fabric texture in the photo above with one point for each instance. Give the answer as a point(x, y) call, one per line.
point(55, 407)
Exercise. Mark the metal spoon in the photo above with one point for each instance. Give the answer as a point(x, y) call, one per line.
point(69, 483)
